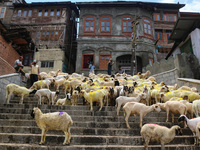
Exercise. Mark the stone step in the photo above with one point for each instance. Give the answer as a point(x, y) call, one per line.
point(17, 146)
point(88, 124)
point(52, 139)
point(75, 111)
point(81, 131)
point(91, 118)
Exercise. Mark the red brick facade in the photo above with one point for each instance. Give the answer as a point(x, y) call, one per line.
point(8, 55)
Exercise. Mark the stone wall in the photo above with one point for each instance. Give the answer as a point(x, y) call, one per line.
point(168, 77)
point(7, 79)
point(189, 82)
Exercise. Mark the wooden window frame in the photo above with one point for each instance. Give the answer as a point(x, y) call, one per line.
point(28, 58)
point(31, 13)
point(26, 13)
point(151, 60)
point(47, 13)
point(158, 35)
point(85, 20)
point(147, 23)
point(167, 16)
point(105, 21)
point(83, 59)
point(53, 12)
point(155, 15)
point(57, 11)
point(4, 11)
point(20, 13)
point(41, 12)
point(127, 32)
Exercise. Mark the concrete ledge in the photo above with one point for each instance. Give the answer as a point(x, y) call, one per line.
point(7, 79)
point(189, 82)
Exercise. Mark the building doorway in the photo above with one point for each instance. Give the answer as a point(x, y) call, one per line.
point(124, 62)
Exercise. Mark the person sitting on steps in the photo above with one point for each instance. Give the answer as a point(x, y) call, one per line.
point(18, 67)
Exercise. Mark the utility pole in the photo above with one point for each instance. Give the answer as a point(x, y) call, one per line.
point(133, 50)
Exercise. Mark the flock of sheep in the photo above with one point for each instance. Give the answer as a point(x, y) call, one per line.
point(138, 94)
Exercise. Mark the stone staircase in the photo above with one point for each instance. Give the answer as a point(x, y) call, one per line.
point(90, 131)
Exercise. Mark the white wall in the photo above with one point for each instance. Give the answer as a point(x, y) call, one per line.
point(195, 38)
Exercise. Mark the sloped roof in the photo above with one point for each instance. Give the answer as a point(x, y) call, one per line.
point(183, 27)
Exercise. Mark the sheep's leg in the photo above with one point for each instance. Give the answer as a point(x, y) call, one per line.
point(118, 108)
point(21, 100)
point(146, 143)
point(101, 103)
point(162, 146)
point(42, 137)
point(91, 106)
point(8, 98)
point(141, 120)
point(126, 119)
point(167, 110)
point(172, 117)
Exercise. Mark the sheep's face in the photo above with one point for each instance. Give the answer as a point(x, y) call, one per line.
point(143, 96)
point(181, 118)
point(82, 92)
point(178, 131)
point(68, 96)
point(157, 108)
point(32, 114)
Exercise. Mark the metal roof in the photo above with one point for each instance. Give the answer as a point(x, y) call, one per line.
point(183, 27)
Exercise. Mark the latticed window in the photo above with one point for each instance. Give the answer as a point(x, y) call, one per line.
point(47, 64)
point(126, 24)
point(89, 24)
point(147, 26)
point(105, 23)
point(2, 12)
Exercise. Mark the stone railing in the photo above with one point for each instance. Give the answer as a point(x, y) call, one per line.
point(168, 77)
point(189, 82)
point(7, 79)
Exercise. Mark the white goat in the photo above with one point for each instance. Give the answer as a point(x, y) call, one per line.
point(53, 121)
point(138, 108)
point(162, 134)
point(19, 91)
point(191, 123)
point(46, 93)
point(122, 100)
point(65, 101)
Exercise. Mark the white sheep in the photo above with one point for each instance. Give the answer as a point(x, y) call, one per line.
point(51, 96)
point(138, 108)
point(53, 121)
point(174, 107)
point(191, 123)
point(122, 100)
point(65, 101)
point(196, 107)
point(162, 134)
point(93, 96)
point(75, 97)
point(19, 91)
point(198, 132)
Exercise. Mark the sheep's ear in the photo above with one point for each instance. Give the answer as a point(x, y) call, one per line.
point(32, 113)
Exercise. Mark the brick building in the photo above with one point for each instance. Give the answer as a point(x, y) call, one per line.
point(53, 29)
point(13, 43)
point(105, 31)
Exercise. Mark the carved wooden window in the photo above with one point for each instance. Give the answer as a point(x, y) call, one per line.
point(105, 25)
point(2, 12)
point(46, 12)
point(19, 13)
point(29, 13)
point(40, 13)
point(89, 25)
point(147, 27)
point(86, 60)
point(52, 12)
